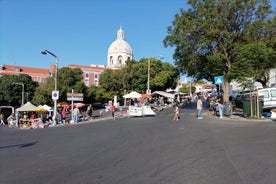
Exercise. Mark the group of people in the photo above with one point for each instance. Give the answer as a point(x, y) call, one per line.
point(199, 106)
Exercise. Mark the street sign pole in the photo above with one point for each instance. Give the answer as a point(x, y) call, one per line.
point(72, 107)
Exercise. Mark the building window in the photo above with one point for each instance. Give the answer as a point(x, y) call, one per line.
point(86, 82)
point(95, 76)
point(111, 60)
point(120, 59)
point(38, 79)
point(86, 75)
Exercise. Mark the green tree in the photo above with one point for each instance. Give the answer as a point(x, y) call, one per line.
point(11, 89)
point(67, 79)
point(187, 88)
point(133, 77)
point(206, 35)
point(43, 93)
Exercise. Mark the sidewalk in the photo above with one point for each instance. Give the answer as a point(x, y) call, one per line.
point(237, 114)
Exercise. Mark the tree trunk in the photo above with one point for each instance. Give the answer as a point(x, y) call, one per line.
point(226, 92)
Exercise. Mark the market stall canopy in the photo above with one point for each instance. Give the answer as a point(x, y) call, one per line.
point(162, 93)
point(27, 107)
point(40, 109)
point(78, 105)
point(62, 104)
point(47, 107)
point(146, 96)
point(133, 94)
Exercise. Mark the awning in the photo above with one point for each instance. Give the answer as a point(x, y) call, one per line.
point(27, 107)
point(162, 93)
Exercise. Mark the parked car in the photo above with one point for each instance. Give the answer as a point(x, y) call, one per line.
point(6, 111)
point(269, 97)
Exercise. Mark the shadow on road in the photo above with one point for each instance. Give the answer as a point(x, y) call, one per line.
point(19, 145)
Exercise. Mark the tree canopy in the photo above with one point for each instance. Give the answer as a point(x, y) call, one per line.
point(11, 87)
point(134, 76)
point(67, 79)
point(214, 38)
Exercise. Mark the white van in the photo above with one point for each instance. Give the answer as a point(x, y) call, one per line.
point(269, 95)
point(6, 111)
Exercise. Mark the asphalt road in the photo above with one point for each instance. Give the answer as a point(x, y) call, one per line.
point(149, 150)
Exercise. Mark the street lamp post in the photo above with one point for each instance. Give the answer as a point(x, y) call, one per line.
point(19, 83)
point(55, 92)
point(148, 84)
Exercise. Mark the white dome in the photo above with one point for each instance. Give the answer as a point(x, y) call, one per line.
point(119, 46)
point(119, 51)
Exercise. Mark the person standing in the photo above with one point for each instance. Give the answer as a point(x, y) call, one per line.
point(2, 119)
point(76, 114)
point(220, 108)
point(89, 111)
point(63, 115)
point(176, 113)
point(199, 107)
point(113, 111)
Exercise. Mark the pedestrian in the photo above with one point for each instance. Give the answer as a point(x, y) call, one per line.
point(199, 107)
point(63, 115)
point(113, 111)
point(2, 119)
point(220, 108)
point(176, 113)
point(89, 111)
point(12, 120)
point(76, 114)
point(58, 118)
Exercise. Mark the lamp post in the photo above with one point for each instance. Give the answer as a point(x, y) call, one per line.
point(148, 85)
point(27, 95)
point(54, 93)
point(19, 83)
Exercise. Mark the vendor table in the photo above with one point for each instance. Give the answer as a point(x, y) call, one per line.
point(25, 123)
point(140, 111)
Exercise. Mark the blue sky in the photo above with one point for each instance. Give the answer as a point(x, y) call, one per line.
point(80, 31)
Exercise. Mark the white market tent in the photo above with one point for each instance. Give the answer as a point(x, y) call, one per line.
point(27, 107)
point(133, 94)
point(162, 93)
point(48, 108)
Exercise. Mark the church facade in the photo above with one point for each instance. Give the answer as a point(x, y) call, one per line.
point(119, 52)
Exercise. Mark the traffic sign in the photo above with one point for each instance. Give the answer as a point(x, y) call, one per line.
point(75, 96)
point(219, 80)
point(55, 95)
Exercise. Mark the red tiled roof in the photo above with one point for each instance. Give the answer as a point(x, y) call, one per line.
point(24, 69)
point(87, 67)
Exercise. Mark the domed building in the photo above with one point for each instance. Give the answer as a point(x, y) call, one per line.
point(119, 52)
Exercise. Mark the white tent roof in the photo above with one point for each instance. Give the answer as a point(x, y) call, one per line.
point(162, 93)
point(48, 108)
point(133, 94)
point(27, 107)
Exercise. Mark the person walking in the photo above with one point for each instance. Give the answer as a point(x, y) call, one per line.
point(199, 107)
point(176, 113)
point(113, 111)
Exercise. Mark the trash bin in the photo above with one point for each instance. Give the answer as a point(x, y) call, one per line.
point(247, 109)
point(227, 109)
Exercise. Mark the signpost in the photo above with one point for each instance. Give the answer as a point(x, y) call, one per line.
point(74, 97)
point(219, 80)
